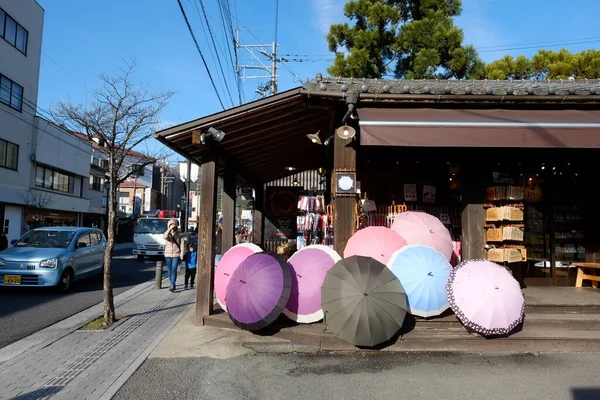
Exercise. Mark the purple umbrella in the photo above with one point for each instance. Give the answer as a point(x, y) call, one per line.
point(258, 291)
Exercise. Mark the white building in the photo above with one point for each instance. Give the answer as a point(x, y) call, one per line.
point(21, 25)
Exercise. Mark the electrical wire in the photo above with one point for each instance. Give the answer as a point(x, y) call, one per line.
point(212, 81)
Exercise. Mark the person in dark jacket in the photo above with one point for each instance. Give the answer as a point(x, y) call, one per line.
point(219, 242)
point(3, 241)
point(191, 258)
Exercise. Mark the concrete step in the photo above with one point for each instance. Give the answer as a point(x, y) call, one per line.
point(558, 320)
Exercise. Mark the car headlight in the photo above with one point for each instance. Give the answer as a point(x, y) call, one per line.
point(1, 262)
point(138, 246)
point(51, 263)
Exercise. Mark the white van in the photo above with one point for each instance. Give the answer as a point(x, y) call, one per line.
point(148, 237)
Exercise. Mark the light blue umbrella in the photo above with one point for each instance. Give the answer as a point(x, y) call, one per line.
point(423, 272)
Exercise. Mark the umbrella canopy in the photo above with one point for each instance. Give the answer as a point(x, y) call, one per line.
point(423, 273)
point(228, 264)
point(364, 302)
point(377, 242)
point(485, 297)
point(309, 267)
point(258, 290)
point(422, 229)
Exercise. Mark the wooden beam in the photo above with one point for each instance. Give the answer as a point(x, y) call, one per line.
point(229, 195)
point(207, 206)
point(258, 219)
point(344, 158)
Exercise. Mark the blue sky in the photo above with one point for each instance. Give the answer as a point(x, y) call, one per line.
point(85, 38)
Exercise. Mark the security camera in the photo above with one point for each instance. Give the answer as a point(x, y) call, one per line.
point(216, 134)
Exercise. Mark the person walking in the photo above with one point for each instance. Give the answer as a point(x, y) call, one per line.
point(3, 241)
point(174, 250)
point(191, 258)
point(219, 242)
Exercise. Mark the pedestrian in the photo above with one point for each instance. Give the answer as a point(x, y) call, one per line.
point(3, 241)
point(219, 242)
point(174, 250)
point(191, 258)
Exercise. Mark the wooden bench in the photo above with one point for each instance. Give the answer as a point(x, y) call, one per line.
point(592, 276)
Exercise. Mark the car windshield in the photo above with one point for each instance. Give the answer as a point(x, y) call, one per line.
point(151, 225)
point(46, 239)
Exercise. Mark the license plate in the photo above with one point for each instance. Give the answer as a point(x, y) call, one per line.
point(12, 279)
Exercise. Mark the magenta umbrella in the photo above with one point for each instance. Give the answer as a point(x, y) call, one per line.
point(309, 267)
point(230, 261)
point(377, 242)
point(258, 291)
point(485, 297)
point(421, 229)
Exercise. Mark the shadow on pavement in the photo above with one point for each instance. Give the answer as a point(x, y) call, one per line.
point(43, 393)
point(586, 393)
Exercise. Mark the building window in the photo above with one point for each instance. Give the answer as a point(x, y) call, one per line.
point(48, 178)
point(11, 93)
point(9, 155)
point(13, 32)
point(96, 184)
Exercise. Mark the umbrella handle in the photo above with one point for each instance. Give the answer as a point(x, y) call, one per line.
point(226, 274)
point(244, 282)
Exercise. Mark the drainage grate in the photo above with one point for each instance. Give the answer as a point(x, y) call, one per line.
point(89, 358)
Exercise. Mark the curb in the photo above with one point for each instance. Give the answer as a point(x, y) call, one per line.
point(57, 331)
point(118, 384)
point(281, 348)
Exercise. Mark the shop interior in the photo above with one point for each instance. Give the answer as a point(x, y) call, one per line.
point(558, 222)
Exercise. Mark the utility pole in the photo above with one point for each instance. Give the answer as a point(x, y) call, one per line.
point(269, 53)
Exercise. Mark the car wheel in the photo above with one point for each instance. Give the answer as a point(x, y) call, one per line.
point(66, 281)
point(140, 257)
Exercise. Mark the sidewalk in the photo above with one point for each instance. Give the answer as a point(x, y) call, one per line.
point(93, 364)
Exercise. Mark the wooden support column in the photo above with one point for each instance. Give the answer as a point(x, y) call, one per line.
point(207, 214)
point(344, 158)
point(473, 232)
point(229, 196)
point(258, 219)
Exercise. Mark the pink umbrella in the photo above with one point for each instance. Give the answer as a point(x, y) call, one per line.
point(228, 264)
point(422, 229)
point(309, 267)
point(485, 297)
point(377, 242)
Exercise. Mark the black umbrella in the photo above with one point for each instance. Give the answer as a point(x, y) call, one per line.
point(363, 301)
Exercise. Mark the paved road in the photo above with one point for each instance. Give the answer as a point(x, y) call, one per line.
point(371, 376)
point(26, 311)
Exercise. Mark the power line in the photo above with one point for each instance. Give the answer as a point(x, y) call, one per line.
point(212, 81)
point(212, 38)
point(227, 22)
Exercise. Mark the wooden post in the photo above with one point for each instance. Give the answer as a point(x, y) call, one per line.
point(344, 158)
point(207, 213)
point(229, 195)
point(473, 232)
point(258, 219)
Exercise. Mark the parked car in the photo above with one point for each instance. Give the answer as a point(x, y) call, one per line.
point(53, 256)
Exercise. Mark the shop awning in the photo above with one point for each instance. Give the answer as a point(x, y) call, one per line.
point(473, 128)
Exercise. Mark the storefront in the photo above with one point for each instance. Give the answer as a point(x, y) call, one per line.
point(36, 218)
point(505, 165)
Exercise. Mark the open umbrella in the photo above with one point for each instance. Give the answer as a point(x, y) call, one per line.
point(377, 242)
point(423, 273)
point(258, 290)
point(229, 263)
point(364, 302)
point(485, 297)
point(309, 267)
point(421, 229)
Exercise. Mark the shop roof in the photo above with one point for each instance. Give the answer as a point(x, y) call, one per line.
point(264, 137)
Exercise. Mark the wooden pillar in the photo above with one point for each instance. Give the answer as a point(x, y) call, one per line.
point(473, 232)
point(207, 213)
point(344, 158)
point(229, 195)
point(258, 219)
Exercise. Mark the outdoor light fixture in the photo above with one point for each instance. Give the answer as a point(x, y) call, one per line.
point(345, 132)
point(216, 134)
point(321, 171)
point(328, 140)
point(290, 168)
point(314, 137)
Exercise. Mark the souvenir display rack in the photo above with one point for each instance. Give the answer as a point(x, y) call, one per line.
point(504, 224)
point(314, 221)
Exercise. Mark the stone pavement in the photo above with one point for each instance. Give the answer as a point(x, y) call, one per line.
point(95, 364)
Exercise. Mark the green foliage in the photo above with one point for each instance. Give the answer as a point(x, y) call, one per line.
point(547, 64)
point(410, 39)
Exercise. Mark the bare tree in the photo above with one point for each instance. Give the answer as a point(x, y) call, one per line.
point(120, 117)
point(36, 202)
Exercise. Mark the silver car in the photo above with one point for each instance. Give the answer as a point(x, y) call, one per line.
point(53, 256)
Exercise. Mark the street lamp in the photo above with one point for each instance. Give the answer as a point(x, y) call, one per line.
point(163, 172)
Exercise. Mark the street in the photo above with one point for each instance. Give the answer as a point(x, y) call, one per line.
point(369, 376)
point(24, 311)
